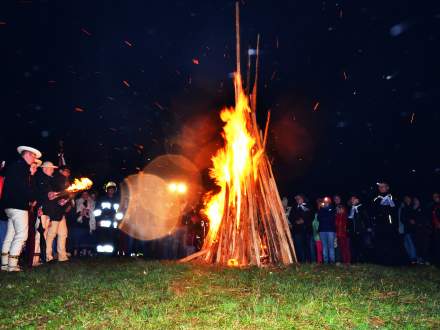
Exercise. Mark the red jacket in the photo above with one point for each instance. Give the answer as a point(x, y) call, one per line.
point(341, 224)
point(2, 180)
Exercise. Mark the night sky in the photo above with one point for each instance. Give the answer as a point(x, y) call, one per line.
point(352, 86)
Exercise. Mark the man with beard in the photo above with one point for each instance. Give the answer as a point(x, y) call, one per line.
point(17, 198)
point(386, 224)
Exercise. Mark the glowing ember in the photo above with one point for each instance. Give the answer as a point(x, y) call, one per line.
point(233, 262)
point(80, 185)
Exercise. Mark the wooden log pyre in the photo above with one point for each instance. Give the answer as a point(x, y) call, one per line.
point(260, 235)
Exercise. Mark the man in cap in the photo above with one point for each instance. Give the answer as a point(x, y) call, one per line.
point(58, 225)
point(45, 185)
point(16, 199)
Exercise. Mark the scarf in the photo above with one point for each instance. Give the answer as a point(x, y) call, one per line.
point(386, 200)
point(354, 211)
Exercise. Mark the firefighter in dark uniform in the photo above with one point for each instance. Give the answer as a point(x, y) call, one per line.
point(108, 216)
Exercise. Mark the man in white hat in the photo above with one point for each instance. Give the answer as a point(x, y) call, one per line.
point(45, 187)
point(17, 196)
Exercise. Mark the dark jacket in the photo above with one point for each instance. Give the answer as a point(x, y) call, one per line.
point(304, 213)
point(17, 190)
point(406, 215)
point(44, 185)
point(360, 221)
point(326, 219)
point(384, 217)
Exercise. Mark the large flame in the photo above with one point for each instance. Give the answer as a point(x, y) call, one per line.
point(233, 164)
point(80, 185)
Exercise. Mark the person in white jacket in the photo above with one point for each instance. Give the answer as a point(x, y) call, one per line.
point(83, 226)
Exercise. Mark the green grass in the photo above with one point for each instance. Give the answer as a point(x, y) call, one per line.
point(115, 293)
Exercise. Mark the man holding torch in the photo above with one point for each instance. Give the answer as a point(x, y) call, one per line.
point(58, 225)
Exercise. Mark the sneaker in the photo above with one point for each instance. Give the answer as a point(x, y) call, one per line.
point(63, 259)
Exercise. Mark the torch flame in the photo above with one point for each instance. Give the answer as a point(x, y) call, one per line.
point(232, 164)
point(80, 185)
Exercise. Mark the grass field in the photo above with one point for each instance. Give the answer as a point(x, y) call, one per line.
point(118, 293)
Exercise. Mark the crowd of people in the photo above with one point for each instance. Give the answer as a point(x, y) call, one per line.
point(38, 215)
point(34, 210)
point(379, 231)
point(41, 219)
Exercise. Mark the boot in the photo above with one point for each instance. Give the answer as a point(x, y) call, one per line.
point(13, 264)
point(5, 258)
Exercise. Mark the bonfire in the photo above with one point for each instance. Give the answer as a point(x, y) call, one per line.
point(247, 221)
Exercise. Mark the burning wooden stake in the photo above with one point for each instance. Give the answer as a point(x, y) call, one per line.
point(248, 225)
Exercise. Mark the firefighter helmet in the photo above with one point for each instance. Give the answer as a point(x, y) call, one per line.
point(110, 184)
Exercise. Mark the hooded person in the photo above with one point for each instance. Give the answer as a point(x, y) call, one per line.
point(17, 196)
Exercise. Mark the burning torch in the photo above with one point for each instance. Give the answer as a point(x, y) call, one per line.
point(77, 186)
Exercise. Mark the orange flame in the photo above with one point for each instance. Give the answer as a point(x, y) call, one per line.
point(232, 164)
point(80, 185)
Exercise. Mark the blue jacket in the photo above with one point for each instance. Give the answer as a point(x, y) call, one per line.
point(326, 219)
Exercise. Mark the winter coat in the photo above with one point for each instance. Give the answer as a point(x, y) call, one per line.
point(341, 222)
point(359, 221)
point(17, 190)
point(326, 218)
point(384, 216)
point(302, 219)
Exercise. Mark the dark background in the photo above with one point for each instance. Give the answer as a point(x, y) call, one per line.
point(119, 83)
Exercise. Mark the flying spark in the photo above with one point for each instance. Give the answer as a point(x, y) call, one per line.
point(195, 61)
point(86, 32)
point(125, 82)
point(316, 106)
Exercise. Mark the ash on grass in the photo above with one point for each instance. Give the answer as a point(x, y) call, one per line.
point(114, 293)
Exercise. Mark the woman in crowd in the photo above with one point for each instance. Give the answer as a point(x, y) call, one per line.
point(422, 232)
point(83, 226)
point(342, 234)
point(406, 213)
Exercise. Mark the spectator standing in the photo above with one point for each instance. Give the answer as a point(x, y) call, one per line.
point(435, 217)
point(386, 238)
point(83, 226)
point(303, 231)
point(316, 237)
point(360, 230)
point(327, 228)
point(342, 233)
point(422, 232)
point(406, 213)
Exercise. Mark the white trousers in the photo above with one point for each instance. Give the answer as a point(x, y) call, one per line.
point(16, 236)
point(57, 228)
